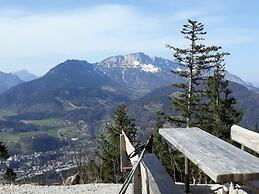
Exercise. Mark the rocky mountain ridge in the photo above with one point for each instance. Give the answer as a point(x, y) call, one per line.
point(25, 75)
point(8, 80)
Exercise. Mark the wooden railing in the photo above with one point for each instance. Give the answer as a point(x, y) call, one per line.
point(245, 137)
point(150, 177)
point(248, 139)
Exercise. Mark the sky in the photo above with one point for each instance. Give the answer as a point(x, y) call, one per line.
point(38, 34)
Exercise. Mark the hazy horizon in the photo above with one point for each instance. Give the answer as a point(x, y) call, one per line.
point(36, 35)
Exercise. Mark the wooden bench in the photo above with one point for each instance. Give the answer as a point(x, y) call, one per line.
point(247, 139)
point(221, 161)
point(151, 176)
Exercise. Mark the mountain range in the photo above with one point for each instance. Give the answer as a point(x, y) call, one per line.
point(77, 90)
point(25, 75)
point(8, 80)
point(138, 72)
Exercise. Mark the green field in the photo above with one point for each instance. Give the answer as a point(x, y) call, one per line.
point(52, 123)
point(6, 113)
point(11, 138)
point(14, 137)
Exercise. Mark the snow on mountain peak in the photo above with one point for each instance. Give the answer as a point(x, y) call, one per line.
point(178, 69)
point(141, 57)
point(149, 68)
point(138, 65)
point(139, 61)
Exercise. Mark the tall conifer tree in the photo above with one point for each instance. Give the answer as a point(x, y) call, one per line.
point(195, 61)
point(3, 152)
point(170, 158)
point(110, 144)
point(220, 106)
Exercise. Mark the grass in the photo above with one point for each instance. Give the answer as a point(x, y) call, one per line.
point(53, 132)
point(13, 138)
point(52, 123)
point(6, 113)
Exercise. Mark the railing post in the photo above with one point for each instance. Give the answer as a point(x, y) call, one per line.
point(136, 182)
point(123, 155)
point(144, 179)
point(187, 175)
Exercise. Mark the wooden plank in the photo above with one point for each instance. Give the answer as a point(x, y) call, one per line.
point(221, 161)
point(129, 149)
point(248, 138)
point(150, 176)
point(144, 179)
point(158, 179)
point(136, 182)
point(124, 162)
point(187, 174)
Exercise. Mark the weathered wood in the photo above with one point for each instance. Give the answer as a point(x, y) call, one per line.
point(136, 182)
point(158, 179)
point(150, 177)
point(221, 161)
point(245, 137)
point(187, 175)
point(124, 162)
point(249, 139)
point(144, 179)
point(130, 149)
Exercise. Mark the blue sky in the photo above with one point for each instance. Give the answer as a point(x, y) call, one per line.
point(38, 34)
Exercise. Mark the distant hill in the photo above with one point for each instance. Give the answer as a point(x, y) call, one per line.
point(73, 90)
point(157, 100)
point(141, 73)
point(8, 80)
point(236, 79)
point(76, 90)
point(25, 75)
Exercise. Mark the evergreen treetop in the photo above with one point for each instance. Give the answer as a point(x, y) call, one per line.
point(3, 152)
point(220, 104)
point(195, 62)
point(110, 144)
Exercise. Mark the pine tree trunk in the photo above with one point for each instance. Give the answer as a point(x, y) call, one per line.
point(189, 102)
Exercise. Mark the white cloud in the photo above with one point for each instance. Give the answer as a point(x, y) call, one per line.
point(95, 31)
point(111, 27)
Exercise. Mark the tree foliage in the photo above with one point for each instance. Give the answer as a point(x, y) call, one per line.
point(3, 152)
point(204, 99)
point(170, 158)
point(219, 112)
point(194, 61)
point(110, 144)
point(9, 176)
